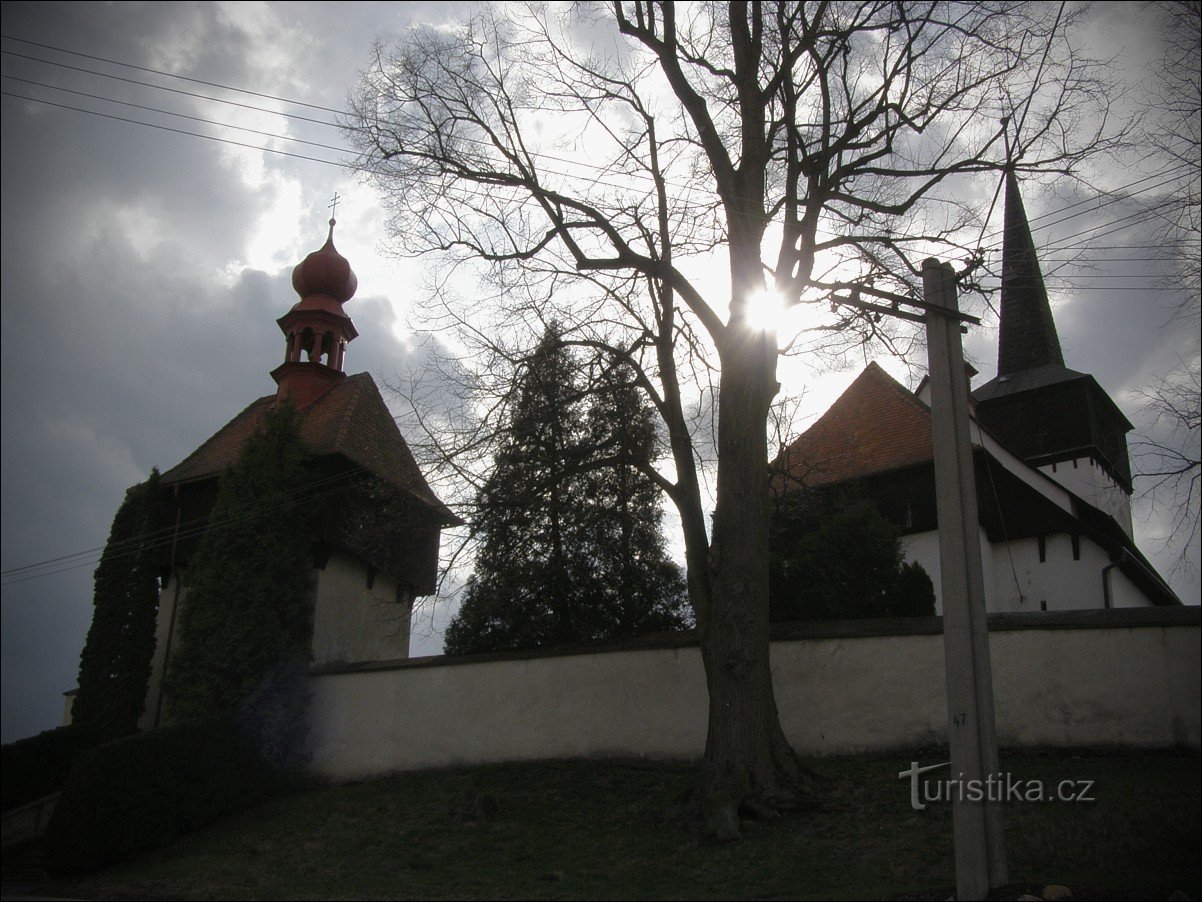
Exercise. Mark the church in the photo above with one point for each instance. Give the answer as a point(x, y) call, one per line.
point(1053, 476)
point(380, 521)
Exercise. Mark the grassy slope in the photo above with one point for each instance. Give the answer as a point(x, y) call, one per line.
point(597, 829)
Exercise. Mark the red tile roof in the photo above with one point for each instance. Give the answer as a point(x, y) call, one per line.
point(875, 426)
point(351, 420)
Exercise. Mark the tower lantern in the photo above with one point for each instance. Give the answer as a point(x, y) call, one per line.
point(316, 329)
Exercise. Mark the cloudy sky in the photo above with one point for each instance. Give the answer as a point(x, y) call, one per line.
point(143, 270)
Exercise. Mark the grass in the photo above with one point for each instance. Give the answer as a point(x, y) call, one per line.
point(599, 830)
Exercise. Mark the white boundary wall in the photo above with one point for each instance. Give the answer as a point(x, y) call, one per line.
point(1069, 679)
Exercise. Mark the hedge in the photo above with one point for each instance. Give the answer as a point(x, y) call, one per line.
point(143, 791)
point(39, 765)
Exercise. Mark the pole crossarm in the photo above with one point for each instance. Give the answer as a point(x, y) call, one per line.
point(894, 308)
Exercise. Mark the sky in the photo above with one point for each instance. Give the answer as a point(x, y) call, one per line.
point(143, 270)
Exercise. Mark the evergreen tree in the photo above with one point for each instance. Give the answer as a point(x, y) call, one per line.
point(836, 557)
point(114, 668)
point(566, 556)
point(641, 589)
point(246, 625)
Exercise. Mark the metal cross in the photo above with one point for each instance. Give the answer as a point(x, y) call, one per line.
point(334, 205)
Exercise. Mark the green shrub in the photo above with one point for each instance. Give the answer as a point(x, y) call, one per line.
point(114, 667)
point(249, 607)
point(914, 594)
point(143, 791)
point(39, 765)
point(834, 556)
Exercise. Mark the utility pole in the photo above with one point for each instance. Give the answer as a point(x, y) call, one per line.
point(980, 847)
point(972, 732)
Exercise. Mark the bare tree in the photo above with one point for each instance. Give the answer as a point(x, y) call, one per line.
point(599, 161)
point(1171, 463)
point(1175, 131)
point(1166, 455)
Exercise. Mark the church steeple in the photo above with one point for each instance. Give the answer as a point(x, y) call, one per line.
point(1027, 336)
point(1054, 418)
point(316, 329)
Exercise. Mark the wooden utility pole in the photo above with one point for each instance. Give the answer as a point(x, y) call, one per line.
point(980, 847)
point(972, 733)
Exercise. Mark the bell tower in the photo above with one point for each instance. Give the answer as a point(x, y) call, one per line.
point(316, 329)
point(1056, 419)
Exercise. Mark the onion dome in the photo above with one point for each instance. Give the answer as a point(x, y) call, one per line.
point(325, 272)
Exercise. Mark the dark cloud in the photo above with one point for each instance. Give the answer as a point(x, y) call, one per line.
point(132, 332)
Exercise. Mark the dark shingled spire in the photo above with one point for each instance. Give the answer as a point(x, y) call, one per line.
point(1037, 407)
point(1028, 334)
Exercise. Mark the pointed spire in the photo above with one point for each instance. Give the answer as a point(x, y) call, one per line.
point(1028, 333)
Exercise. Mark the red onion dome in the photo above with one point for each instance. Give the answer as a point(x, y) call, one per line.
point(325, 272)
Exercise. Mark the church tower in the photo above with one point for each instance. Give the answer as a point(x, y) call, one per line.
point(1054, 418)
point(377, 541)
point(316, 328)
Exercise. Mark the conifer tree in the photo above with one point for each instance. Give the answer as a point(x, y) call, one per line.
point(114, 667)
point(564, 557)
point(836, 557)
point(247, 616)
point(642, 589)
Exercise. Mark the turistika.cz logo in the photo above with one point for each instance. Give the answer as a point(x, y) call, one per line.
point(1000, 787)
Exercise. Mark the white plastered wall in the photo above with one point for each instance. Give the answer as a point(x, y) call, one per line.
point(1016, 580)
point(1132, 687)
point(1087, 479)
point(354, 621)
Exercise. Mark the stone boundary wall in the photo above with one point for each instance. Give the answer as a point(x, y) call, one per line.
point(1115, 678)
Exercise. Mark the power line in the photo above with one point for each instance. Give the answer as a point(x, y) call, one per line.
point(152, 109)
point(477, 191)
point(180, 131)
point(145, 84)
point(1115, 225)
point(533, 155)
point(198, 526)
point(198, 81)
point(476, 141)
point(1098, 203)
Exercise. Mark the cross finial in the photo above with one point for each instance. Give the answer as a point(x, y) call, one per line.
point(334, 205)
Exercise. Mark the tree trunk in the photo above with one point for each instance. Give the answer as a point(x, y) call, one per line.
point(749, 767)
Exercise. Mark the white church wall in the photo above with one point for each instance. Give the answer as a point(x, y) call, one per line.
point(923, 548)
point(1061, 582)
point(1116, 678)
point(1017, 580)
point(354, 621)
point(351, 623)
point(1123, 592)
point(1087, 479)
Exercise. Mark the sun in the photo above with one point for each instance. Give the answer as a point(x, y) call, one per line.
point(765, 310)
